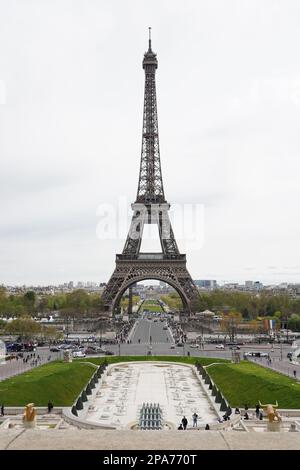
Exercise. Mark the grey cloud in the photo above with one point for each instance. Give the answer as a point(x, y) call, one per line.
point(228, 103)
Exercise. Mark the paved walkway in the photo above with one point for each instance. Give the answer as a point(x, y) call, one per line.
point(15, 367)
point(71, 439)
point(284, 366)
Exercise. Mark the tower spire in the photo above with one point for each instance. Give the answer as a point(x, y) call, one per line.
point(150, 187)
point(150, 49)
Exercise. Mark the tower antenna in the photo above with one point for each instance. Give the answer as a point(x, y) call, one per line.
point(149, 37)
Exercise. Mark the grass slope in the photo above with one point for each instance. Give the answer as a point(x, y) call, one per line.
point(58, 381)
point(246, 383)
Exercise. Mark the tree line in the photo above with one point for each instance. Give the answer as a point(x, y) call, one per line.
point(73, 304)
point(251, 306)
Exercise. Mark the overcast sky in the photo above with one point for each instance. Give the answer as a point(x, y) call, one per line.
point(71, 91)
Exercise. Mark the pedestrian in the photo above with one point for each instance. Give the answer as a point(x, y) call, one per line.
point(184, 422)
point(246, 416)
point(295, 374)
point(2, 409)
point(260, 416)
point(195, 418)
point(237, 411)
point(180, 427)
point(257, 411)
point(226, 416)
point(207, 428)
point(50, 406)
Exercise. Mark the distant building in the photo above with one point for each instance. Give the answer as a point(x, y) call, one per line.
point(231, 286)
point(249, 285)
point(258, 285)
point(206, 283)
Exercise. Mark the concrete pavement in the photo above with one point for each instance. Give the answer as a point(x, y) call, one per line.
point(76, 439)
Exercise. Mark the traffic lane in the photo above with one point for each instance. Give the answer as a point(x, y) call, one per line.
point(164, 349)
point(142, 332)
point(158, 334)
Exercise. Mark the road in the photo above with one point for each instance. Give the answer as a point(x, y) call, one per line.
point(15, 367)
point(151, 331)
point(162, 345)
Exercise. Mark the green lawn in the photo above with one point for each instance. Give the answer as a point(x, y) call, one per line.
point(59, 382)
point(151, 305)
point(246, 383)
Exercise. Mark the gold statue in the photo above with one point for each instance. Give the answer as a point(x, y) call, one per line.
point(272, 413)
point(29, 416)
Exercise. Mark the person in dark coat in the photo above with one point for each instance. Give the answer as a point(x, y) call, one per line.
point(184, 422)
point(50, 406)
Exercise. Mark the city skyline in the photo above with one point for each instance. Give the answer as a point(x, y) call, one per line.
point(71, 117)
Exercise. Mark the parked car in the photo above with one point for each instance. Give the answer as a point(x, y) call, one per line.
point(256, 354)
point(165, 328)
point(180, 345)
point(13, 347)
point(78, 354)
point(194, 345)
point(172, 346)
point(54, 349)
point(109, 353)
point(94, 350)
point(220, 346)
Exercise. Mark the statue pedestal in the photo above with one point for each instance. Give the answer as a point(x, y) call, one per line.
point(67, 356)
point(274, 426)
point(29, 424)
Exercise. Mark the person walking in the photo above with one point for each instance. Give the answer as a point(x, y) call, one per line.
point(184, 422)
point(195, 418)
point(257, 411)
point(295, 374)
point(50, 406)
point(2, 409)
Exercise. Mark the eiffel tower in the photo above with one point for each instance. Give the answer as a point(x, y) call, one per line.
point(150, 207)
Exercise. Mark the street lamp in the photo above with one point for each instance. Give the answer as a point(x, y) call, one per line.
point(100, 338)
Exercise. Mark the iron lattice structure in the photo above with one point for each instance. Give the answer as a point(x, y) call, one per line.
point(150, 207)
